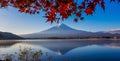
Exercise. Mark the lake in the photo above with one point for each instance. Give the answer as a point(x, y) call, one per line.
point(68, 49)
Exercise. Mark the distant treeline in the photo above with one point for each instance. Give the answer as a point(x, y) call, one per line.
point(76, 38)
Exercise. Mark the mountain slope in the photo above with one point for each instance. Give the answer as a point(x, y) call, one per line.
point(115, 31)
point(63, 31)
point(7, 35)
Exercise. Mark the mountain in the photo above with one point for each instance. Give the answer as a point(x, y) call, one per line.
point(109, 34)
point(115, 31)
point(7, 35)
point(62, 31)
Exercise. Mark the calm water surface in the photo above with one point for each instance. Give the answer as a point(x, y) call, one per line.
point(69, 49)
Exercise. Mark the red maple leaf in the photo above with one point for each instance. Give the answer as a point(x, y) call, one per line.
point(88, 11)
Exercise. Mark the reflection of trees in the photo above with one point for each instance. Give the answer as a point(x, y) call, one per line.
point(4, 43)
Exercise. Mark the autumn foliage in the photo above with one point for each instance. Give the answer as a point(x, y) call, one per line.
point(56, 9)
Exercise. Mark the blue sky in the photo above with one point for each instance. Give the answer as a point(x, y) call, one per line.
point(20, 23)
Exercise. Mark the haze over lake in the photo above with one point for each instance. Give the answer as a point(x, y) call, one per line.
point(69, 49)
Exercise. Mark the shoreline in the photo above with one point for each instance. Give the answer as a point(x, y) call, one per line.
point(19, 40)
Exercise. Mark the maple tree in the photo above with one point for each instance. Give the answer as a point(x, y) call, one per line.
point(56, 9)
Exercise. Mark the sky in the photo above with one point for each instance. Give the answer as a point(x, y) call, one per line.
point(20, 23)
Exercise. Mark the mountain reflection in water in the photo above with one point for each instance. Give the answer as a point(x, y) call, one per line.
point(71, 49)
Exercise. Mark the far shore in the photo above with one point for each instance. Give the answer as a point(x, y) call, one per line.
point(19, 40)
